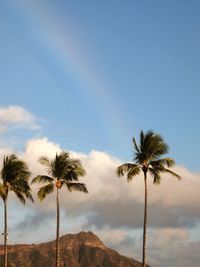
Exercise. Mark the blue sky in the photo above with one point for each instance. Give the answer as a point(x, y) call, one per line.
point(95, 73)
point(88, 76)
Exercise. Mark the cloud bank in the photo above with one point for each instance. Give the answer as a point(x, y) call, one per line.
point(114, 208)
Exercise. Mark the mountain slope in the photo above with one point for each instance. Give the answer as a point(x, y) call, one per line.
point(84, 249)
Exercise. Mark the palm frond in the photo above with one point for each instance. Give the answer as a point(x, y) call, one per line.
point(135, 170)
point(64, 167)
point(22, 187)
point(156, 175)
point(64, 170)
point(42, 179)
point(3, 194)
point(141, 139)
point(70, 175)
point(125, 168)
point(162, 169)
point(20, 196)
point(45, 161)
point(29, 196)
point(60, 163)
point(19, 184)
point(155, 145)
point(14, 168)
point(73, 171)
point(69, 168)
point(136, 145)
point(77, 167)
point(172, 173)
point(76, 187)
point(152, 147)
point(8, 159)
point(169, 162)
point(147, 138)
point(45, 190)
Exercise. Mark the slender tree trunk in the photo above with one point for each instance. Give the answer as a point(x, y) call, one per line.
point(145, 222)
point(57, 230)
point(5, 234)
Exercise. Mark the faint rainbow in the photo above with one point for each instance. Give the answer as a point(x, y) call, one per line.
point(61, 42)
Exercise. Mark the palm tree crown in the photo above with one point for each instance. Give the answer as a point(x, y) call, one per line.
point(63, 170)
point(15, 176)
point(148, 158)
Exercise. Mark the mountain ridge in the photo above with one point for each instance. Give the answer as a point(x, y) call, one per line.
point(83, 249)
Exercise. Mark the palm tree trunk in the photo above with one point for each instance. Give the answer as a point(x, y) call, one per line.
point(5, 235)
point(57, 230)
point(145, 222)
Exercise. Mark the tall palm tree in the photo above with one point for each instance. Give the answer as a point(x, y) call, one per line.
point(63, 170)
point(148, 159)
point(14, 176)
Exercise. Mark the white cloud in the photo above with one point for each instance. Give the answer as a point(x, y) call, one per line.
point(172, 247)
point(165, 237)
point(115, 203)
point(16, 116)
point(113, 207)
point(34, 149)
point(112, 236)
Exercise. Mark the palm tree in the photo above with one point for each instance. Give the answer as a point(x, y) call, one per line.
point(148, 159)
point(63, 170)
point(14, 176)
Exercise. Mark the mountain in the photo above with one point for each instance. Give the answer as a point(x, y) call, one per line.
point(84, 249)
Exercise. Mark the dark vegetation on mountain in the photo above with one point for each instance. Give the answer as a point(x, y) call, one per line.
point(84, 249)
